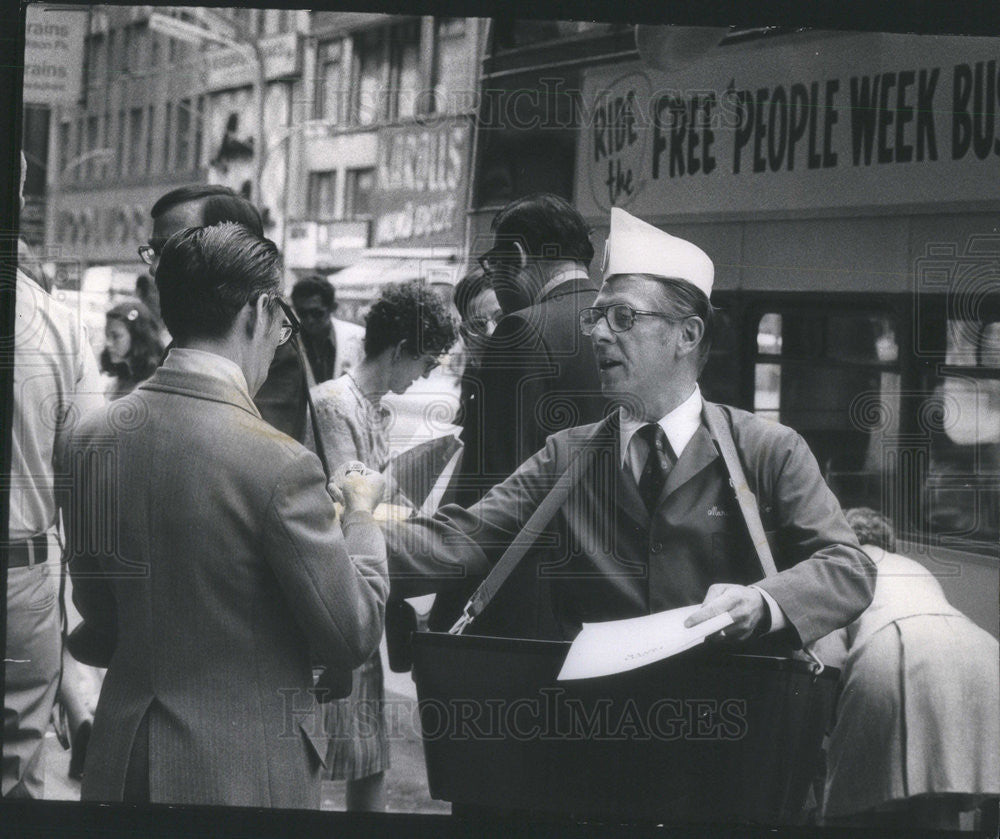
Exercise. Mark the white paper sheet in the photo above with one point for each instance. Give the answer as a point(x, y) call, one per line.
point(618, 646)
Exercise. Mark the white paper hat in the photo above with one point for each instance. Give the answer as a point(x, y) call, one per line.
point(635, 247)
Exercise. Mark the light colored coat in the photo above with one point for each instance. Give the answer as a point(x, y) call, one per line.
point(213, 556)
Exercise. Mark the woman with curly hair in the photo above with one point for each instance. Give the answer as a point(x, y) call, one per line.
point(133, 349)
point(406, 331)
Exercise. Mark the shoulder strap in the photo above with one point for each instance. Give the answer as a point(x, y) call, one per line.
point(719, 428)
point(516, 550)
point(310, 383)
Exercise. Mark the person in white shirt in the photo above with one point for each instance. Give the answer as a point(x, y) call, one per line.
point(56, 381)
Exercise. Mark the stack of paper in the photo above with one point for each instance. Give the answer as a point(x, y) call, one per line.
point(617, 646)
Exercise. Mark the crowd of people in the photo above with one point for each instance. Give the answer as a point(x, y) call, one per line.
point(232, 558)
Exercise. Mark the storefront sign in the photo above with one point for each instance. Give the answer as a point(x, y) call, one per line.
point(817, 122)
point(53, 54)
point(422, 174)
point(110, 233)
point(227, 68)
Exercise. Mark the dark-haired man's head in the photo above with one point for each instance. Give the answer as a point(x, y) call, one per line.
point(315, 302)
point(533, 238)
point(198, 205)
point(219, 288)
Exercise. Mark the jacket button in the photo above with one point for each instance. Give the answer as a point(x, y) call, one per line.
point(657, 547)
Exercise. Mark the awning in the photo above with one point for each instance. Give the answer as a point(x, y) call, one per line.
point(371, 272)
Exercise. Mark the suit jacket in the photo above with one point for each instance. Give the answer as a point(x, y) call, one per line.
point(205, 544)
point(537, 375)
point(604, 557)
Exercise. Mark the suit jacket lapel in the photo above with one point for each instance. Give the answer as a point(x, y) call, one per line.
point(697, 454)
point(627, 497)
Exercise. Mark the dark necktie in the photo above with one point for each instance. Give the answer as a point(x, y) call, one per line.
point(658, 464)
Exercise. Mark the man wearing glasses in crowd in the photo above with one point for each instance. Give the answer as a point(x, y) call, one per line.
point(281, 400)
point(651, 522)
point(210, 556)
point(536, 374)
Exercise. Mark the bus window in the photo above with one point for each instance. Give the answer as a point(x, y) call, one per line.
point(961, 415)
point(834, 378)
point(720, 380)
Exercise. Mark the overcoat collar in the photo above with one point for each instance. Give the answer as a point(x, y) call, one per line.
point(199, 386)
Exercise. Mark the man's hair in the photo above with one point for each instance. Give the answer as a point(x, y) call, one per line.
point(207, 274)
point(413, 313)
point(468, 289)
point(315, 286)
point(871, 528)
point(684, 300)
point(547, 226)
point(220, 204)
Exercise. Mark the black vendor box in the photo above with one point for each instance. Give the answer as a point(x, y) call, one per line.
point(704, 736)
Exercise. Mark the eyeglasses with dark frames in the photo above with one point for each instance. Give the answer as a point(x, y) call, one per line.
point(147, 253)
point(498, 259)
point(620, 317)
point(292, 327)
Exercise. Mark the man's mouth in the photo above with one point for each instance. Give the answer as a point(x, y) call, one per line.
point(608, 364)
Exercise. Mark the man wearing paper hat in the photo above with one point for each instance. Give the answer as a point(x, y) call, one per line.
point(649, 522)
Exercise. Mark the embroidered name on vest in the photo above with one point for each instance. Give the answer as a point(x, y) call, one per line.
point(715, 511)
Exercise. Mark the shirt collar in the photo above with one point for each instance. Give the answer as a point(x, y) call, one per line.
point(564, 275)
point(207, 363)
point(679, 425)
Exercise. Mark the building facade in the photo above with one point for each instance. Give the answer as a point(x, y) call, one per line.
point(382, 154)
point(158, 112)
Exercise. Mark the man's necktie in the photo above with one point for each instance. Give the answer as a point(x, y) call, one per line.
point(658, 464)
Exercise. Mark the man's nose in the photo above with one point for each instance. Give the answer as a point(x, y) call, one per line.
point(601, 333)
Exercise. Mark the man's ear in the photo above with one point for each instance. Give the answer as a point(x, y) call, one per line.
point(257, 313)
point(399, 350)
point(692, 330)
point(522, 256)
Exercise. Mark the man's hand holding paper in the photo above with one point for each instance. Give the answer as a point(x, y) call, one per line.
point(745, 604)
point(618, 646)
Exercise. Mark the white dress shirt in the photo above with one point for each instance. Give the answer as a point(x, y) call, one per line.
point(56, 381)
point(680, 426)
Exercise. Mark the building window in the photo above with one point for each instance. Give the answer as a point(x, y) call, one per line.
point(404, 69)
point(369, 73)
point(198, 133)
point(242, 19)
point(823, 372)
point(65, 150)
point(135, 140)
point(112, 52)
point(120, 147)
point(451, 63)
point(150, 133)
point(97, 59)
point(329, 83)
point(322, 195)
point(283, 18)
point(136, 49)
point(168, 133)
point(961, 417)
point(124, 50)
point(182, 158)
point(105, 168)
point(154, 49)
point(359, 186)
